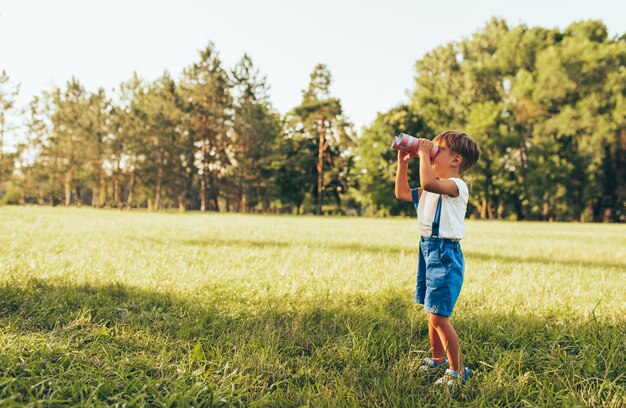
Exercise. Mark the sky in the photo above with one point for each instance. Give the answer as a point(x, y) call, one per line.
point(370, 47)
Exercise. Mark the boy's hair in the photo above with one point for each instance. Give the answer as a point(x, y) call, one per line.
point(459, 142)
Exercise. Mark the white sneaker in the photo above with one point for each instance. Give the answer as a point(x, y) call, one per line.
point(432, 365)
point(451, 377)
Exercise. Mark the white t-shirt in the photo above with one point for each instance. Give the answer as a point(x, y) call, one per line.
point(451, 224)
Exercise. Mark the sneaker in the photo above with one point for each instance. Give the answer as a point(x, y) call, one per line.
point(451, 376)
point(431, 365)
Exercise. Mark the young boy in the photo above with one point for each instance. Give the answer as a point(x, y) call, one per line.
point(441, 203)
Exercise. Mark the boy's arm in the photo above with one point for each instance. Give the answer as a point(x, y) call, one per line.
point(428, 177)
point(403, 191)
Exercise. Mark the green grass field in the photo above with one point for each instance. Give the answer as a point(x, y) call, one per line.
point(102, 307)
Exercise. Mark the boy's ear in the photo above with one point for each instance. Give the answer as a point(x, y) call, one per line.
point(456, 162)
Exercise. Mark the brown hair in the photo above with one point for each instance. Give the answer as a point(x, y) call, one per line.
point(460, 143)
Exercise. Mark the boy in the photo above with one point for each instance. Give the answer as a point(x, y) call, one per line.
point(441, 203)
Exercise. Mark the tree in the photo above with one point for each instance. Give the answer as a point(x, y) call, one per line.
point(8, 93)
point(206, 88)
point(319, 121)
point(292, 166)
point(69, 138)
point(160, 113)
point(545, 107)
point(127, 144)
point(36, 174)
point(256, 130)
point(578, 84)
point(98, 143)
point(377, 161)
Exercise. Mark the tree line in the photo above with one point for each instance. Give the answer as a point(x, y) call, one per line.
point(547, 107)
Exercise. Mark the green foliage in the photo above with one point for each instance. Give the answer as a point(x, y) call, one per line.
point(206, 88)
point(164, 151)
point(8, 94)
point(377, 162)
point(547, 106)
point(257, 131)
point(547, 109)
point(324, 138)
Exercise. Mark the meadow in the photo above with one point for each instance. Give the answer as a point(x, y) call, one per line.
point(107, 307)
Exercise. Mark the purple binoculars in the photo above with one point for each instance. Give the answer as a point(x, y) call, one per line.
point(410, 144)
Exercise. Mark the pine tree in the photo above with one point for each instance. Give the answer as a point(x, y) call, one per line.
point(318, 123)
point(206, 88)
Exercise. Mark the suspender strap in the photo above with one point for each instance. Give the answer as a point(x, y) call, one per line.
point(415, 196)
point(435, 226)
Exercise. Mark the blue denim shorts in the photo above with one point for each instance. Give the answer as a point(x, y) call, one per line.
point(439, 275)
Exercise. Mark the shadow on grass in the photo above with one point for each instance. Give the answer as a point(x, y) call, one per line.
point(272, 244)
point(285, 351)
point(376, 249)
point(42, 306)
point(482, 256)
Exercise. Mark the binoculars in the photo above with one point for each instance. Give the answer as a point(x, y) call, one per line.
point(410, 144)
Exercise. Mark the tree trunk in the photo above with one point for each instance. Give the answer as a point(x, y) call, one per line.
point(116, 190)
point(189, 189)
point(214, 193)
point(157, 195)
point(68, 187)
point(131, 187)
point(78, 199)
point(202, 192)
point(117, 186)
point(616, 190)
point(524, 160)
point(205, 170)
point(546, 207)
point(181, 202)
point(95, 198)
point(483, 208)
point(519, 211)
point(211, 190)
point(103, 189)
point(53, 184)
point(213, 204)
point(486, 210)
point(320, 166)
point(241, 199)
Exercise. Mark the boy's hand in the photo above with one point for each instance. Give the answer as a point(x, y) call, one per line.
point(425, 147)
point(404, 158)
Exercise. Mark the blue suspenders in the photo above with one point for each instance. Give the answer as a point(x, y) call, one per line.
point(437, 219)
point(435, 226)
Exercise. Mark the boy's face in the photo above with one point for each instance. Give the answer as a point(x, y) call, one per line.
point(445, 162)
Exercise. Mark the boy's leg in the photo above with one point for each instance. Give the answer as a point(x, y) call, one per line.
point(448, 337)
point(439, 352)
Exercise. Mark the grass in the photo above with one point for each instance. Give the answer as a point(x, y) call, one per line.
point(102, 307)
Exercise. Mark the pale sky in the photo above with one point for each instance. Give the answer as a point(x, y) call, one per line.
point(370, 47)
